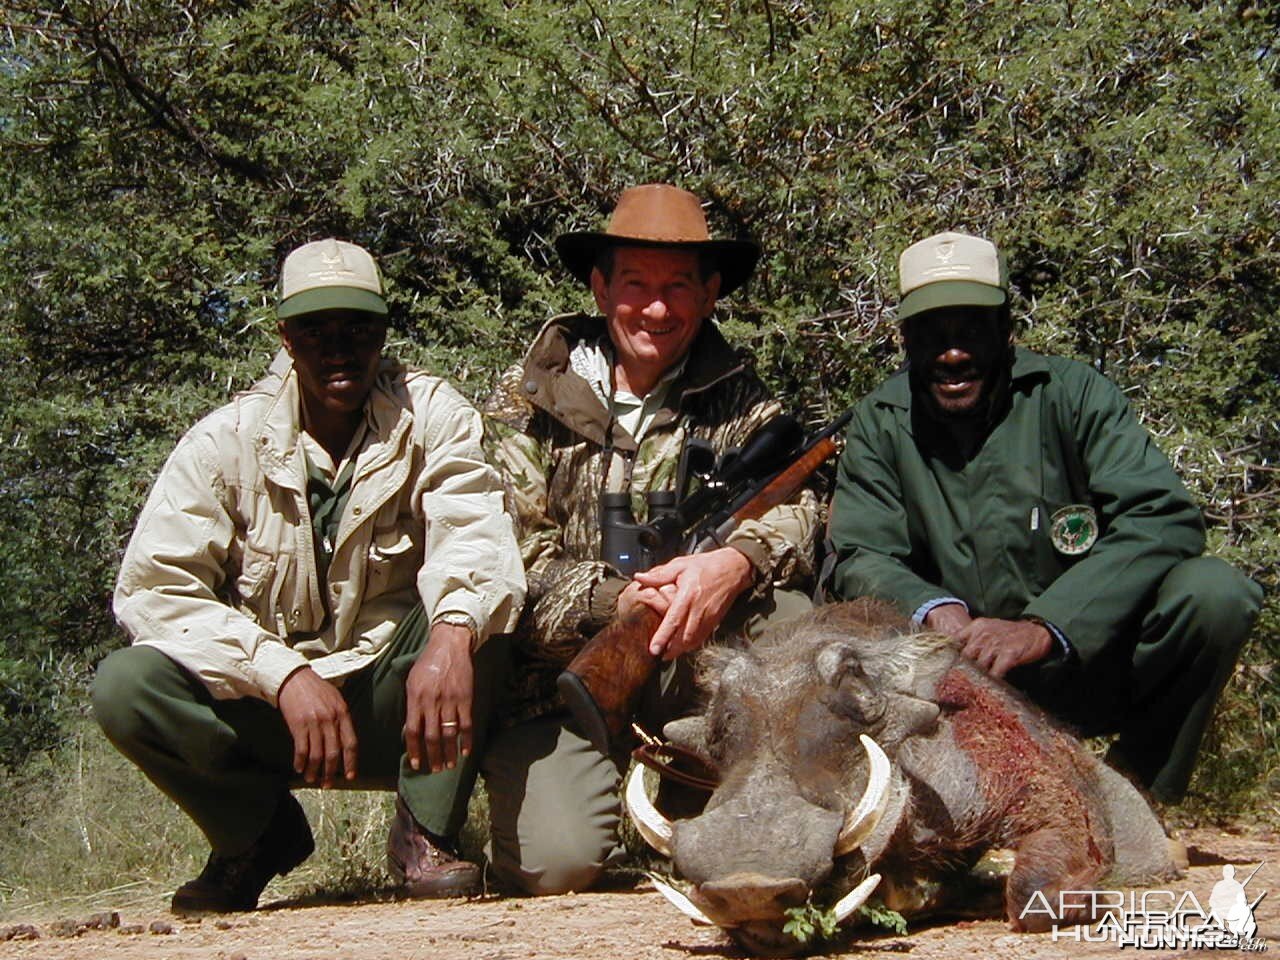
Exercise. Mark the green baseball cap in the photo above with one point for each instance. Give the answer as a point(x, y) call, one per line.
point(330, 275)
point(951, 270)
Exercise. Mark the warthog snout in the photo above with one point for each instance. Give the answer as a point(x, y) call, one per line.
point(750, 896)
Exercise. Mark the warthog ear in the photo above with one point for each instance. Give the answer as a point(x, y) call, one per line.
point(833, 660)
point(909, 716)
point(849, 692)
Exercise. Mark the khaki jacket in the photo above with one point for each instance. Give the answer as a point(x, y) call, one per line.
point(221, 571)
point(548, 434)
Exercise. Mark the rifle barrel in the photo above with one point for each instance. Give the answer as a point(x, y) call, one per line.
point(789, 480)
point(777, 491)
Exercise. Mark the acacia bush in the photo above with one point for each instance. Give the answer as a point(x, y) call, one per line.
point(160, 157)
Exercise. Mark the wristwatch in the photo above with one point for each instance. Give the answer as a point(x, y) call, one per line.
point(459, 620)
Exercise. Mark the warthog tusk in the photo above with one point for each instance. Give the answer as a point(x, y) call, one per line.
point(855, 898)
point(653, 826)
point(683, 903)
point(864, 817)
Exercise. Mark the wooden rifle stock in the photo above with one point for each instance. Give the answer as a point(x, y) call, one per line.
point(602, 684)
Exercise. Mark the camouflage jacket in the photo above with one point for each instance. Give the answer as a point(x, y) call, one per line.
point(545, 431)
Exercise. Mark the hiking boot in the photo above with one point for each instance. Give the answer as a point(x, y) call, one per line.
point(424, 865)
point(231, 884)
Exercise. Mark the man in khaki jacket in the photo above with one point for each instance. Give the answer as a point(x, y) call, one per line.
point(600, 405)
point(309, 588)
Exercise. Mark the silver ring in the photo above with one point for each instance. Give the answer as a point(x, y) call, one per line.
point(449, 723)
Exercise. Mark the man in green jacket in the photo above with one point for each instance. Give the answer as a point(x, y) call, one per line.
point(1013, 502)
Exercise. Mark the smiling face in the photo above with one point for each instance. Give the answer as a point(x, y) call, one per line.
point(336, 355)
point(654, 303)
point(955, 353)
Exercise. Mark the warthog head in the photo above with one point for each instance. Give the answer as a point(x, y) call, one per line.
point(792, 726)
point(852, 749)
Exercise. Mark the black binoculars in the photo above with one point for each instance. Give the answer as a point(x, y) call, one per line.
point(632, 547)
point(677, 520)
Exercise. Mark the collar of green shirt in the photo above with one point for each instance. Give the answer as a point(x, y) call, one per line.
point(593, 360)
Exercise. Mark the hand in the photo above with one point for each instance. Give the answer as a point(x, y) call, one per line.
point(948, 619)
point(997, 646)
point(438, 700)
point(324, 739)
point(634, 596)
point(705, 587)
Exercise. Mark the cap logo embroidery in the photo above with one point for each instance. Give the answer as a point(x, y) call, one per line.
point(335, 266)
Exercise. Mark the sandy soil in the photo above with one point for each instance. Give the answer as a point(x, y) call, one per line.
point(634, 923)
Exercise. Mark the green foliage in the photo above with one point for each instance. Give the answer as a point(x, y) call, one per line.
point(877, 914)
point(158, 158)
point(29, 701)
point(809, 923)
point(813, 925)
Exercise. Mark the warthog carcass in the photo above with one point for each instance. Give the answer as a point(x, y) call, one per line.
point(856, 756)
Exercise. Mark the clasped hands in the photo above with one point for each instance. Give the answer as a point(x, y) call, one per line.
point(437, 724)
point(997, 646)
point(692, 593)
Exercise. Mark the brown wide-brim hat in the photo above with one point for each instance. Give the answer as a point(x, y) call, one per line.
point(659, 215)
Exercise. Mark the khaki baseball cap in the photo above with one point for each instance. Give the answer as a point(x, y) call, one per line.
point(951, 270)
point(330, 275)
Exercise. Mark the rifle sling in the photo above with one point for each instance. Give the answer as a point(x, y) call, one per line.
point(676, 763)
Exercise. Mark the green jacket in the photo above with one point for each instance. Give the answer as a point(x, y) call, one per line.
point(912, 521)
point(546, 434)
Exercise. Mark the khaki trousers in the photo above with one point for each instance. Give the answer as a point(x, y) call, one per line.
point(554, 806)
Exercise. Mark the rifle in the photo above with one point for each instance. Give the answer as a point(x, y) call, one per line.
point(602, 684)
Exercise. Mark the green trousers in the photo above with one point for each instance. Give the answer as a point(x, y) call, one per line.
point(554, 807)
point(226, 763)
point(1159, 689)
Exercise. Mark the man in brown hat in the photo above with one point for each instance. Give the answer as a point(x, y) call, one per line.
point(606, 404)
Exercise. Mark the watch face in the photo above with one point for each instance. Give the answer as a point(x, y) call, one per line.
point(1074, 529)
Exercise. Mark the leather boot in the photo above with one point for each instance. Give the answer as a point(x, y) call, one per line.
point(424, 865)
point(230, 884)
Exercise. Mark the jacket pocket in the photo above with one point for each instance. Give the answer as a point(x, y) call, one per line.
point(394, 559)
point(253, 585)
point(1050, 562)
point(256, 572)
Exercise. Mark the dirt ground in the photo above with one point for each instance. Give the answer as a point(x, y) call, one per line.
point(627, 923)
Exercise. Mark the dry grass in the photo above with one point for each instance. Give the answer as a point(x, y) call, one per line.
point(83, 831)
point(83, 823)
